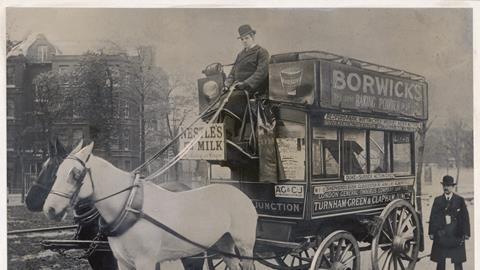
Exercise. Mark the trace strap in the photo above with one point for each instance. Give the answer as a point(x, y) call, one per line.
point(152, 220)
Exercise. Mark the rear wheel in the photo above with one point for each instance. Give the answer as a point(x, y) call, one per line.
point(397, 241)
point(338, 251)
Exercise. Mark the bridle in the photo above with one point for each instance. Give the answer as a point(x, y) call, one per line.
point(78, 181)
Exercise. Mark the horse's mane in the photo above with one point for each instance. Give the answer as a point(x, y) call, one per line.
point(105, 164)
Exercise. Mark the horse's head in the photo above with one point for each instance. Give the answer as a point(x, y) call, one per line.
point(69, 183)
point(43, 183)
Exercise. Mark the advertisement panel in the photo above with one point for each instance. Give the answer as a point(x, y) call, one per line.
point(348, 87)
point(211, 145)
point(293, 82)
point(355, 196)
point(355, 121)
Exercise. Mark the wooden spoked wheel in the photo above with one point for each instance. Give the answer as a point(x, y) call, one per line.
point(338, 251)
point(397, 241)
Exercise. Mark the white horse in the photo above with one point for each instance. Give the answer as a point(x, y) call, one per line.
point(216, 215)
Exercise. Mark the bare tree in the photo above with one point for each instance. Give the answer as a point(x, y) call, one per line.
point(183, 106)
point(422, 132)
point(149, 85)
point(455, 140)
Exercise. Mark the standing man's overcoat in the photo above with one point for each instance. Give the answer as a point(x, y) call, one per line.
point(449, 242)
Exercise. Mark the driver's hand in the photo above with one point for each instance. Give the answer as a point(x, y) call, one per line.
point(241, 86)
point(431, 236)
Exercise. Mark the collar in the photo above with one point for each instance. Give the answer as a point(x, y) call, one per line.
point(448, 197)
point(251, 48)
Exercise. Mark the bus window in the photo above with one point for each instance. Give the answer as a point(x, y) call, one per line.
point(355, 151)
point(402, 153)
point(290, 139)
point(379, 152)
point(325, 152)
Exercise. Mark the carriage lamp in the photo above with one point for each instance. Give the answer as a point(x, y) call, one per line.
point(210, 89)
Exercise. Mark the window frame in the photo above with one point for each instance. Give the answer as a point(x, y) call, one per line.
point(341, 143)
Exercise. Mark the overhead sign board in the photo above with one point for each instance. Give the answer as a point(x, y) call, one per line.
point(348, 87)
point(211, 145)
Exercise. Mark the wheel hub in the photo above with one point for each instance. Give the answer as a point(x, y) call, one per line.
point(400, 244)
point(338, 266)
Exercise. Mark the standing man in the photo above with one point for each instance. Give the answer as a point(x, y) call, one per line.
point(449, 227)
point(249, 72)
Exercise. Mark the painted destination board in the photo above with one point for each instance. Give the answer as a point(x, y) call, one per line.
point(280, 207)
point(354, 196)
point(211, 145)
point(348, 87)
point(355, 121)
point(293, 82)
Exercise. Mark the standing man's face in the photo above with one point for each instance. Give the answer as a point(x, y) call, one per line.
point(247, 41)
point(447, 189)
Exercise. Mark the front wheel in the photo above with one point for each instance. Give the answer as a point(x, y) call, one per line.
point(338, 251)
point(397, 240)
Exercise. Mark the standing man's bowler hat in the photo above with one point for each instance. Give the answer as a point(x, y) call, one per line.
point(245, 29)
point(447, 181)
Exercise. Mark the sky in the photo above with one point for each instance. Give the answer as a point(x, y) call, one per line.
point(435, 43)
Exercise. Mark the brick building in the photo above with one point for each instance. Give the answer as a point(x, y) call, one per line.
point(25, 151)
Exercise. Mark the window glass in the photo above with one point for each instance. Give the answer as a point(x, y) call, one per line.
point(220, 173)
point(325, 152)
point(126, 140)
point(10, 75)
point(77, 136)
point(402, 153)
point(10, 109)
point(355, 151)
point(379, 152)
point(290, 140)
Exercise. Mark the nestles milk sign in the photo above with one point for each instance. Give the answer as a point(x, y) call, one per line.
point(347, 87)
point(211, 145)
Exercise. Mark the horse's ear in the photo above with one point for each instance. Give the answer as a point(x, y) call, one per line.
point(77, 148)
point(85, 152)
point(60, 148)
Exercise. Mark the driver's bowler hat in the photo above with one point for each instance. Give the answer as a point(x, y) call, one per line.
point(245, 29)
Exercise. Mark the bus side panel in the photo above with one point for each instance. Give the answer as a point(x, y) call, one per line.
point(358, 196)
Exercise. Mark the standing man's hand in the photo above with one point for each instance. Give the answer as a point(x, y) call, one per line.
point(466, 237)
point(431, 236)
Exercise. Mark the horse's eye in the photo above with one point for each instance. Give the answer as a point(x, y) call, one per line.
point(77, 174)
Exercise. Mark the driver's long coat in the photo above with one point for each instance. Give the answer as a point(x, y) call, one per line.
point(459, 215)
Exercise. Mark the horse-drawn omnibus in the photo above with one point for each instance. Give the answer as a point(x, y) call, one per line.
point(327, 157)
point(332, 165)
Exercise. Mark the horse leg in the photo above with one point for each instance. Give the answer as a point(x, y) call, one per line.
point(245, 249)
point(122, 265)
point(227, 245)
point(144, 263)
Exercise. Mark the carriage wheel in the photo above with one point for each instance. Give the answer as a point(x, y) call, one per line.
point(338, 251)
point(397, 242)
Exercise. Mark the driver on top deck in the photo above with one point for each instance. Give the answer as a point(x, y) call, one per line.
point(249, 72)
